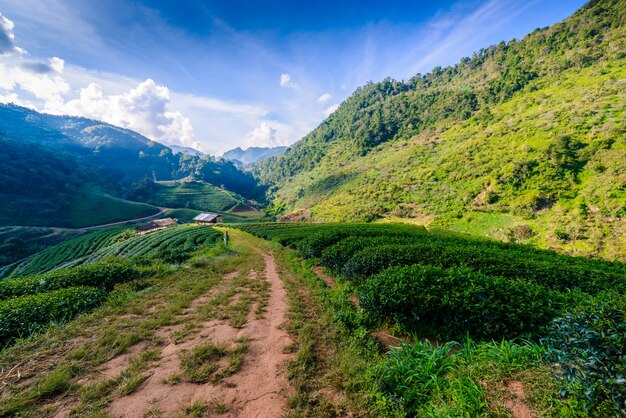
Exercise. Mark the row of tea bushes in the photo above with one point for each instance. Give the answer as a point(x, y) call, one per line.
point(105, 274)
point(453, 303)
point(23, 315)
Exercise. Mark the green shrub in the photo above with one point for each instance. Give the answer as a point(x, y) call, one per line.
point(104, 274)
point(373, 260)
point(589, 343)
point(20, 316)
point(335, 256)
point(557, 275)
point(456, 302)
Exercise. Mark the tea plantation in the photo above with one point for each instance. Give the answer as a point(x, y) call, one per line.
point(92, 266)
point(451, 287)
point(119, 242)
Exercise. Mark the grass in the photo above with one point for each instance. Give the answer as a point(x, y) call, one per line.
point(93, 207)
point(64, 360)
point(61, 356)
point(197, 195)
point(33, 240)
point(341, 369)
point(202, 361)
point(551, 156)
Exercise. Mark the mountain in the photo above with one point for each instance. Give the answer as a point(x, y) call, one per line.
point(523, 141)
point(253, 154)
point(185, 150)
point(68, 171)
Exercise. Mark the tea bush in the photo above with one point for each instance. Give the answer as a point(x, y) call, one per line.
point(22, 315)
point(455, 302)
point(105, 274)
point(589, 343)
point(557, 275)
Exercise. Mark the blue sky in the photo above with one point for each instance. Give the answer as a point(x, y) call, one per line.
point(220, 74)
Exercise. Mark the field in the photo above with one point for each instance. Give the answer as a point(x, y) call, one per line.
point(196, 195)
point(85, 270)
point(380, 320)
point(187, 215)
point(472, 315)
point(117, 242)
point(92, 207)
point(18, 242)
point(147, 320)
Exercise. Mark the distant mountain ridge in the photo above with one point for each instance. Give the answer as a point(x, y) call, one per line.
point(177, 149)
point(253, 155)
point(72, 171)
point(523, 141)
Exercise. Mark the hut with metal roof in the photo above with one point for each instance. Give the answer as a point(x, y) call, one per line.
point(208, 218)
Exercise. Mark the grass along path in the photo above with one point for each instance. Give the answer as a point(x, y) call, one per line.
point(228, 355)
point(204, 338)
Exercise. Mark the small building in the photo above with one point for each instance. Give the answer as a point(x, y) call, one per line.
point(155, 225)
point(208, 218)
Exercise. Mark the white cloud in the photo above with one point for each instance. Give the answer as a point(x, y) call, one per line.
point(324, 98)
point(265, 135)
point(286, 81)
point(209, 124)
point(7, 38)
point(145, 109)
point(46, 87)
point(330, 110)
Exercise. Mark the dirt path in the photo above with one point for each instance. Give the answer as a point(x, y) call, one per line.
point(258, 389)
point(145, 218)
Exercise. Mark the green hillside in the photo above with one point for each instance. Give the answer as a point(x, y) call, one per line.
point(188, 194)
point(63, 171)
point(524, 141)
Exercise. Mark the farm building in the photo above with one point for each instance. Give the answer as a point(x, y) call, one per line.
point(155, 225)
point(208, 218)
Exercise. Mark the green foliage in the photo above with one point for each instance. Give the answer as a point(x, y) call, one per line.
point(22, 315)
point(454, 302)
point(589, 343)
point(172, 244)
point(105, 274)
point(557, 274)
point(412, 372)
point(526, 131)
point(60, 254)
point(198, 195)
point(453, 380)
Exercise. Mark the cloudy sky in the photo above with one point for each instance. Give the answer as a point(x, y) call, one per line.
point(214, 75)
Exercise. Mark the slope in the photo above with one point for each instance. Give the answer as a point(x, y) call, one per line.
point(524, 141)
point(65, 171)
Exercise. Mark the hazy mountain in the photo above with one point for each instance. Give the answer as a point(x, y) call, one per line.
point(70, 171)
point(525, 140)
point(176, 149)
point(253, 154)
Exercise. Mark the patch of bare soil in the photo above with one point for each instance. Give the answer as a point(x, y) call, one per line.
point(301, 216)
point(258, 389)
point(517, 404)
point(329, 280)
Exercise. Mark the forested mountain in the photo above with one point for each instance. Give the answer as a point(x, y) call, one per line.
point(524, 141)
point(252, 155)
point(69, 171)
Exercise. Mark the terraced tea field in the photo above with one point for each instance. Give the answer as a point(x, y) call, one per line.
point(411, 284)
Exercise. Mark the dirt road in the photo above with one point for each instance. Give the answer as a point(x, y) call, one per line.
point(259, 388)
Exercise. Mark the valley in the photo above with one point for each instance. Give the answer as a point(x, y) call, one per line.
point(452, 244)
